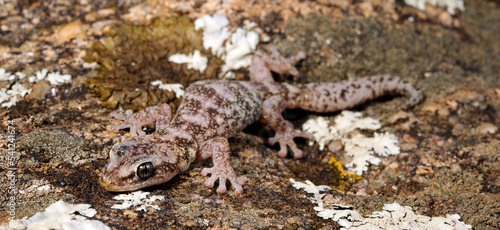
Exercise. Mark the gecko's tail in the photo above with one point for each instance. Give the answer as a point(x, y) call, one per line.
point(331, 97)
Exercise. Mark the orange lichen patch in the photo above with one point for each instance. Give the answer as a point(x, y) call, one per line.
point(467, 96)
point(102, 13)
point(430, 107)
point(423, 170)
point(365, 9)
point(67, 32)
point(345, 178)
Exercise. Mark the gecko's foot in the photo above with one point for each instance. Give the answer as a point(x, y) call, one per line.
point(121, 116)
point(128, 122)
point(159, 113)
point(135, 131)
point(222, 174)
point(286, 139)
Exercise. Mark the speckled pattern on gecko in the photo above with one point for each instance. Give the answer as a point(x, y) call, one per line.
point(212, 111)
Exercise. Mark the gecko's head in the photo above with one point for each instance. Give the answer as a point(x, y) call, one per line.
point(141, 162)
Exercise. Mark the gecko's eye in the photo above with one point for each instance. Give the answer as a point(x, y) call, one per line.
point(145, 170)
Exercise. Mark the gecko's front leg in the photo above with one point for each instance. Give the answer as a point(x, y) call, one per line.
point(162, 114)
point(271, 114)
point(218, 148)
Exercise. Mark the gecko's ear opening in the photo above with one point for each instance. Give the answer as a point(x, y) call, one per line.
point(145, 170)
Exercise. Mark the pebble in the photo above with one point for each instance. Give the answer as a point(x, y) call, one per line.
point(39, 90)
point(408, 146)
point(430, 107)
point(485, 128)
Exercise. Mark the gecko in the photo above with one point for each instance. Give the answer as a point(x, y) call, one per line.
point(211, 111)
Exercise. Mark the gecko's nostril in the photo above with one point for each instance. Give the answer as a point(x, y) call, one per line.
point(104, 183)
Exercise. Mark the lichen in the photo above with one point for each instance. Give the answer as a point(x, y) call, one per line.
point(345, 178)
point(18, 86)
point(235, 49)
point(332, 174)
point(363, 150)
point(131, 57)
point(393, 216)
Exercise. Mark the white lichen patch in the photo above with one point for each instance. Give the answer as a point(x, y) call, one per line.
point(59, 215)
point(348, 121)
point(239, 51)
point(215, 32)
point(362, 149)
point(5, 76)
point(393, 216)
point(319, 129)
point(139, 199)
point(450, 5)
point(9, 96)
point(55, 78)
point(178, 89)
point(194, 60)
point(39, 75)
point(342, 214)
point(236, 52)
point(18, 90)
point(39, 187)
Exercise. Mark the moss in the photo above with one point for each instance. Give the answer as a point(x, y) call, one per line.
point(131, 57)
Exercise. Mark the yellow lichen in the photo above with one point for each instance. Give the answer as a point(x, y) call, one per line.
point(345, 178)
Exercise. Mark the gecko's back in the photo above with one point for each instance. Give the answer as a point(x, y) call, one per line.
point(218, 108)
point(221, 108)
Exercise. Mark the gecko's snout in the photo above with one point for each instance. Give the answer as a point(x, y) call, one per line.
point(107, 183)
point(111, 187)
point(104, 183)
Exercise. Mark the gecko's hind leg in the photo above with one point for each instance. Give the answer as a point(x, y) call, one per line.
point(271, 114)
point(262, 65)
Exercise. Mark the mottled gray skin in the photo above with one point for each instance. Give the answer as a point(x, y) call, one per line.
point(212, 111)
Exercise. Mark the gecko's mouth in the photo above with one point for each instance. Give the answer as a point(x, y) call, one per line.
point(110, 186)
point(116, 188)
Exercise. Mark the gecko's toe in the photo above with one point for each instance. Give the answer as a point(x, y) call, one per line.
point(222, 188)
point(223, 175)
point(137, 131)
point(206, 171)
point(237, 182)
point(116, 128)
point(285, 139)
